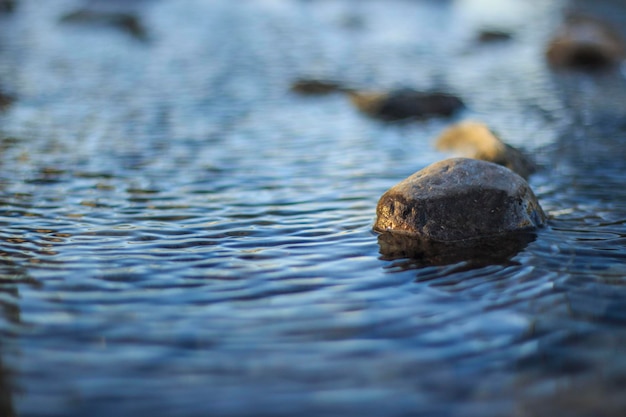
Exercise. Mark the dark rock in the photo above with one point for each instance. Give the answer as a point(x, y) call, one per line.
point(475, 140)
point(493, 35)
point(353, 21)
point(585, 42)
point(406, 103)
point(316, 87)
point(5, 100)
point(125, 21)
point(7, 6)
point(459, 199)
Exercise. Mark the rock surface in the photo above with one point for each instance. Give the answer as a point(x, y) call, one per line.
point(458, 199)
point(587, 43)
point(475, 140)
point(406, 103)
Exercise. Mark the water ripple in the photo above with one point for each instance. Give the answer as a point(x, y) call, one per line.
point(175, 219)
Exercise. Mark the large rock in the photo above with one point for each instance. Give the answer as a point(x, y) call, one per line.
point(473, 139)
point(458, 199)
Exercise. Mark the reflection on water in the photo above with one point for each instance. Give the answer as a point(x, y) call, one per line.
point(475, 253)
point(182, 235)
point(11, 275)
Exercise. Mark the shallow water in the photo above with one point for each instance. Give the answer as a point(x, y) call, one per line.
point(181, 235)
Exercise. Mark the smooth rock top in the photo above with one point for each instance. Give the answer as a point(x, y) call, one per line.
point(458, 199)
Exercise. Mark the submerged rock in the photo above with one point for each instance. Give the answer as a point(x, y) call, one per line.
point(585, 42)
point(125, 21)
point(405, 103)
point(7, 6)
point(458, 199)
point(314, 86)
point(475, 140)
point(493, 35)
point(5, 100)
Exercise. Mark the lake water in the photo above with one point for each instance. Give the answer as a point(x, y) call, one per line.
point(183, 236)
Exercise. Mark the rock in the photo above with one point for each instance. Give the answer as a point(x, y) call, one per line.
point(585, 42)
point(475, 140)
point(316, 87)
point(493, 35)
point(125, 21)
point(6, 100)
point(7, 6)
point(405, 103)
point(458, 199)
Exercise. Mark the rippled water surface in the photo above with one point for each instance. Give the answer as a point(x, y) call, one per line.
point(182, 235)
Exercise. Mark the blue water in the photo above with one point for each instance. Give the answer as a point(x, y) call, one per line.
point(182, 235)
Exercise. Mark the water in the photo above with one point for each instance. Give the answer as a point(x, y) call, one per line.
point(181, 235)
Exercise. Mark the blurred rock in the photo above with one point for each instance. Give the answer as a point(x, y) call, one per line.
point(458, 199)
point(475, 140)
point(125, 21)
point(7, 6)
point(405, 103)
point(493, 35)
point(585, 42)
point(314, 86)
point(5, 100)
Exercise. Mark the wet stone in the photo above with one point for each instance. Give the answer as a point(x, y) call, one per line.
point(406, 103)
point(475, 140)
point(585, 42)
point(458, 199)
point(316, 86)
point(124, 21)
point(6, 100)
point(493, 35)
point(7, 6)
